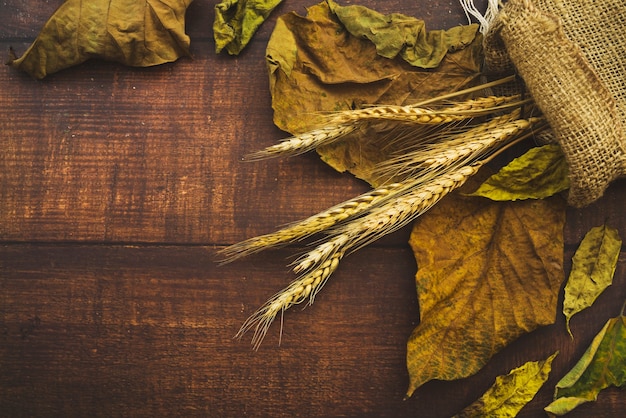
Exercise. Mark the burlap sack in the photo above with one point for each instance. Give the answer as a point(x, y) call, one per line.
point(571, 55)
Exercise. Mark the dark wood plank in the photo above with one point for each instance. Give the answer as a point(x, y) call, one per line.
point(108, 330)
point(149, 331)
point(110, 154)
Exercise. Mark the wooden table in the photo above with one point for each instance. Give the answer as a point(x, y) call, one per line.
point(118, 185)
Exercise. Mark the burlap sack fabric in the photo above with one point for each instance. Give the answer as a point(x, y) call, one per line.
point(571, 55)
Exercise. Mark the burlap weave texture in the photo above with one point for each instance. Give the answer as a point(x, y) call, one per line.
point(572, 58)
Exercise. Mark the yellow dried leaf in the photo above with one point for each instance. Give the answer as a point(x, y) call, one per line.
point(602, 365)
point(488, 272)
point(539, 173)
point(316, 65)
point(510, 393)
point(236, 21)
point(593, 268)
point(138, 33)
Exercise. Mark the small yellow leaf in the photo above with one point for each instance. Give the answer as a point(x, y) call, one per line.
point(510, 393)
point(593, 268)
point(602, 365)
point(488, 272)
point(236, 21)
point(138, 33)
point(539, 173)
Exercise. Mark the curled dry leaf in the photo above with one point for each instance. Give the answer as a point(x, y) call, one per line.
point(317, 65)
point(541, 172)
point(602, 365)
point(593, 269)
point(399, 35)
point(510, 393)
point(487, 273)
point(138, 33)
point(236, 21)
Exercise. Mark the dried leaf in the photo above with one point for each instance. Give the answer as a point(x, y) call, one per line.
point(539, 173)
point(405, 36)
point(602, 365)
point(510, 393)
point(316, 65)
point(236, 22)
point(593, 268)
point(138, 33)
point(488, 272)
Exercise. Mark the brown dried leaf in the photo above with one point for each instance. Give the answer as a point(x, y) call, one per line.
point(236, 21)
point(316, 65)
point(138, 33)
point(603, 365)
point(488, 273)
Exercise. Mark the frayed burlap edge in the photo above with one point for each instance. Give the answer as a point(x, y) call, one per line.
point(580, 109)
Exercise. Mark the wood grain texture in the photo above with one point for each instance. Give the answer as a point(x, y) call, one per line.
point(118, 185)
point(148, 331)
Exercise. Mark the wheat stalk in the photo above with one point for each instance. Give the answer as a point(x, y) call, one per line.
point(343, 123)
point(299, 144)
point(414, 114)
point(302, 289)
point(317, 265)
point(459, 148)
point(394, 215)
point(313, 224)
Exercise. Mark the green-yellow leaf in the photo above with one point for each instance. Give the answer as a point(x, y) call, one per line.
point(510, 393)
point(396, 34)
point(236, 21)
point(138, 33)
point(602, 365)
point(593, 268)
point(539, 173)
point(316, 65)
point(488, 272)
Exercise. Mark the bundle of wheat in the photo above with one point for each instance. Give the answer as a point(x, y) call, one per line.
point(569, 56)
point(426, 166)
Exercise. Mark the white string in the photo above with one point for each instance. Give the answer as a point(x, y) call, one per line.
point(484, 19)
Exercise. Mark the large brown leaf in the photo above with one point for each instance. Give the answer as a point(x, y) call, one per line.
point(138, 33)
point(487, 273)
point(317, 65)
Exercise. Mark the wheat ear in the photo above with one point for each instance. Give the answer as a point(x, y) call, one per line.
point(413, 114)
point(459, 148)
point(313, 224)
point(300, 290)
point(341, 124)
point(299, 144)
point(317, 265)
point(386, 218)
